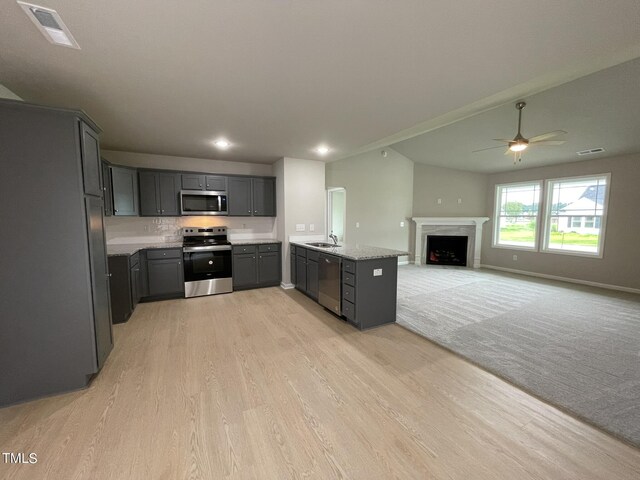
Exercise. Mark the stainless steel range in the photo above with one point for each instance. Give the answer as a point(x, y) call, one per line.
point(207, 261)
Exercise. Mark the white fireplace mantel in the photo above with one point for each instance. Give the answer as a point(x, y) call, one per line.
point(477, 222)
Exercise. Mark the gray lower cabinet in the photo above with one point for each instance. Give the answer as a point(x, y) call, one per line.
point(159, 193)
point(165, 274)
point(252, 196)
point(306, 268)
point(256, 266)
point(55, 311)
point(124, 186)
point(368, 287)
point(124, 282)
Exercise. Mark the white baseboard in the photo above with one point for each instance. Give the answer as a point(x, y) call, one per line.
point(564, 279)
point(287, 286)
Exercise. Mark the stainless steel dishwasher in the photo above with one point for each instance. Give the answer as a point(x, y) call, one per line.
point(329, 271)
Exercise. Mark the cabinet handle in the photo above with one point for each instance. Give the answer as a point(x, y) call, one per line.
point(178, 263)
point(116, 210)
point(158, 211)
point(162, 211)
point(108, 274)
point(164, 254)
point(208, 185)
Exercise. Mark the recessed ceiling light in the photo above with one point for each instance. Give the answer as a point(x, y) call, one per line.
point(322, 150)
point(222, 144)
point(50, 25)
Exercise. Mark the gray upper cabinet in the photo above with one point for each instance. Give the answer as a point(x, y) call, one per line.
point(124, 185)
point(252, 196)
point(195, 181)
point(91, 163)
point(159, 193)
point(239, 196)
point(264, 197)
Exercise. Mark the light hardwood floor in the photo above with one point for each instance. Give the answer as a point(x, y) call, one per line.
point(266, 384)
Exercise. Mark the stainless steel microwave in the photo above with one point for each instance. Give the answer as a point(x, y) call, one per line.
point(193, 202)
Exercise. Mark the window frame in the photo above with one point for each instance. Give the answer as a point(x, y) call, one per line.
point(548, 199)
point(497, 216)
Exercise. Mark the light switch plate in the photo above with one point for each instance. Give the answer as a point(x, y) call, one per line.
point(402, 224)
point(300, 227)
point(439, 201)
point(357, 224)
point(377, 272)
point(459, 201)
point(312, 227)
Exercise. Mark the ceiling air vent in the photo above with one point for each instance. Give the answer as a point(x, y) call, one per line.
point(591, 151)
point(50, 24)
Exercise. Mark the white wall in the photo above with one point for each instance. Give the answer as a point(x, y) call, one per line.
point(168, 228)
point(300, 192)
point(6, 93)
point(379, 196)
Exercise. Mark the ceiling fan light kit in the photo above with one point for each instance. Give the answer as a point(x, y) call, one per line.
point(520, 143)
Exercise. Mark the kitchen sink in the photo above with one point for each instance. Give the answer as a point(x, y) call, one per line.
point(322, 245)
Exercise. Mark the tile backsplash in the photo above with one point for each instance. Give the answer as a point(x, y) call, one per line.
point(168, 229)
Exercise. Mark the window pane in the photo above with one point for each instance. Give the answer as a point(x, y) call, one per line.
point(576, 213)
point(517, 215)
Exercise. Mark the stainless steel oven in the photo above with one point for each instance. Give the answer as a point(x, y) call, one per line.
point(193, 202)
point(207, 261)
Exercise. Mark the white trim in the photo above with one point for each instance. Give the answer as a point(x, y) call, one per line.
point(477, 222)
point(547, 216)
point(287, 286)
point(564, 279)
point(496, 215)
point(403, 262)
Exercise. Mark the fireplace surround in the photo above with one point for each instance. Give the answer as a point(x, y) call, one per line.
point(450, 226)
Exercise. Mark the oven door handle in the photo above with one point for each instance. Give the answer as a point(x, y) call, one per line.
point(213, 248)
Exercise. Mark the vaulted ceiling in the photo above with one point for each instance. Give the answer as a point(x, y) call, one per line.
point(279, 77)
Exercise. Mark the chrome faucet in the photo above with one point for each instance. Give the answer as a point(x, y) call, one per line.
point(334, 238)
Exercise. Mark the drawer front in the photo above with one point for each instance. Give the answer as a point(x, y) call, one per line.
point(134, 259)
point(301, 252)
point(349, 293)
point(349, 278)
point(157, 253)
point(349, 310)
point(313, 255)
point(244, 249)
point(349, 266)
point(293, 249)
point(271, 247)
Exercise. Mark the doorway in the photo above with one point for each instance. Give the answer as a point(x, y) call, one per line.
point(337, 212)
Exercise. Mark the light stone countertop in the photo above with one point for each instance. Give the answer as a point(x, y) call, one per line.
point(356, 252)
point(128, 249)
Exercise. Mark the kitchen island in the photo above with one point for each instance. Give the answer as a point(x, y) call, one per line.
point(355, 282)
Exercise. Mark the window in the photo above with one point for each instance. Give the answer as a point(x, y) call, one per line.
point(517, 210)
point(574, 213)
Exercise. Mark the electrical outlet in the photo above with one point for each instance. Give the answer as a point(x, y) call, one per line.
point(377, 272)
point(439, 201)
point(300, 227)
point(402, 224)
point(357, 224)
point(459, 201)
point(312, 227)
point(515, 257)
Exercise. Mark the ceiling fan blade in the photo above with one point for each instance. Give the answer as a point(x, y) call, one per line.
point(489, 148)
point(546, 136)
point(548, 142)
point(502, 140)
point(509, 152)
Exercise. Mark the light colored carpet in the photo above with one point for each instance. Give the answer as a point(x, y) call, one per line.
point(576, 347)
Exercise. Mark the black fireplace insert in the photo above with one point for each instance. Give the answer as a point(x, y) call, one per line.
point(447, 250)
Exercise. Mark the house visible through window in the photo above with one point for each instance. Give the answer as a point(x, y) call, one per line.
point(517, 211)
point(574, 211)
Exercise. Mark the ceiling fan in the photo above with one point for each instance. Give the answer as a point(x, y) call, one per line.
point(520, 143)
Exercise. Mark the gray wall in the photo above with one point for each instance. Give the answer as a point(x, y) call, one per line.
point(379, 197)
point(431, 183)
point(619, 265)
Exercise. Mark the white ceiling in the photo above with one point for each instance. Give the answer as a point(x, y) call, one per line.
point(279, 77)
point(599, 110)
